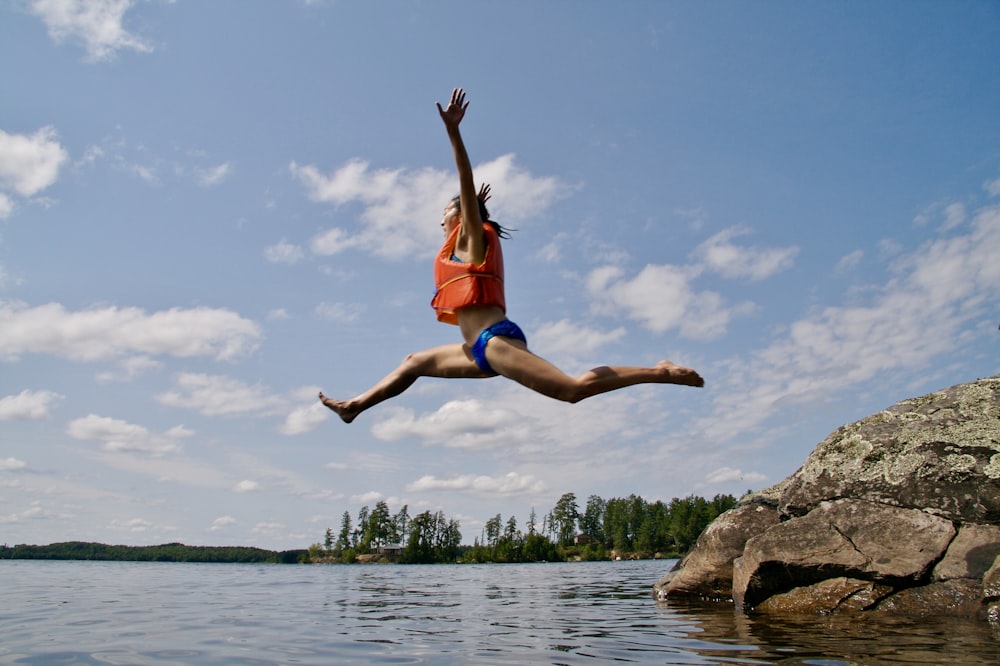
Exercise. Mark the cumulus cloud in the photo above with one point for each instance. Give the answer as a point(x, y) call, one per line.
point(246, 486)
point(221, 523)
point(400, 207)
point(129, 369)
point(567, 337)
point(305, 419)
point(217, 395)
point(661, 297)
point(118, 435)
point(28, 405)
point(464, 424)
point(509, 484)
point(110, 332)
point(11, 464)
point(367, 498)
point(922, 312)
point(95, 24)
point(29, 163)
point(721, 255)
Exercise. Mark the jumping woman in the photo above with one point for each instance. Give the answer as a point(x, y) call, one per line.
point(468, 273)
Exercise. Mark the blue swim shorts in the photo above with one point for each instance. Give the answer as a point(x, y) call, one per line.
point(506, 329)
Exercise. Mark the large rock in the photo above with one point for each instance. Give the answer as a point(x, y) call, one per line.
point(939, 453)
point(707, 571)
point(899, 512)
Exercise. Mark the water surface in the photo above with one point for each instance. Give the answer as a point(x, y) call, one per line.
point(574, 613)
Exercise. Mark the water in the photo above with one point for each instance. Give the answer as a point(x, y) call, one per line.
point(581, 613)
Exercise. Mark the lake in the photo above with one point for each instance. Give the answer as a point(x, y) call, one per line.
point(56, 612)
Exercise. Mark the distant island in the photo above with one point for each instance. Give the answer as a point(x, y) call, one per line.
point(168, 552)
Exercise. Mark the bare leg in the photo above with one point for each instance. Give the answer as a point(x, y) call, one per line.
point(445, 361)
point(512, 359)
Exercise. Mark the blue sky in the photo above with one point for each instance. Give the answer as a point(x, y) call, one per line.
point(210, 211)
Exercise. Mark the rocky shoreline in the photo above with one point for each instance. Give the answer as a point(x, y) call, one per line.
point(896, 513)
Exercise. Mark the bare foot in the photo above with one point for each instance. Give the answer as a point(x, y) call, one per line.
point(341, 407)
point(677, 374)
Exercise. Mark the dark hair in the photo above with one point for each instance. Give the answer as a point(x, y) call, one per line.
point(484, 215)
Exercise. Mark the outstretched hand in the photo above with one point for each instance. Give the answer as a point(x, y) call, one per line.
point(453, 114)
point(484, 193)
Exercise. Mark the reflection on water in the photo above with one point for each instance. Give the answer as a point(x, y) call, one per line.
point(585, 613)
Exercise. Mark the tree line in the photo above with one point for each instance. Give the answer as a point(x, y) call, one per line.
point(169, 552)
point(622, 527)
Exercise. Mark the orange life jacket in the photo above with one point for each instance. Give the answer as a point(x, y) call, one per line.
point(460, 284)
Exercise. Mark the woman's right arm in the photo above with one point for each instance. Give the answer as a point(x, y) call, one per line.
point(471, 237)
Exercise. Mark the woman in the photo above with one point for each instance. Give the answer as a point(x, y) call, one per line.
point(468, 272)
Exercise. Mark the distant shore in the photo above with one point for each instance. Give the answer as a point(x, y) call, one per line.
point(169, 552)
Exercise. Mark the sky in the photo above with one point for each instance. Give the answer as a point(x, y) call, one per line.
point(210, 211)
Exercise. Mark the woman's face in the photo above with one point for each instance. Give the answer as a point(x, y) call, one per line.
point(450, 218)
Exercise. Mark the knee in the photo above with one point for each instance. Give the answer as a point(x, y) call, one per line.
point(573, 393)
point(413, 363)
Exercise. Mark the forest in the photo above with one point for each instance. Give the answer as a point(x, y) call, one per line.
point(628, 527)
point(169, 552)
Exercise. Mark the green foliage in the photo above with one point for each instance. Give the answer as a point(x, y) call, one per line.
point(170, 552)
point(629, 526)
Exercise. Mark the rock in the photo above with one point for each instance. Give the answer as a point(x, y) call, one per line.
point(971, 554)
point(938, 453)
point(846, 538)
point(957, 597)
point(707, 571)
point(833, 594)
point(991, 592)
point(898, 512)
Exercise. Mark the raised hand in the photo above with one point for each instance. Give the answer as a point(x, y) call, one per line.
point(453, 114)
point(484, 193)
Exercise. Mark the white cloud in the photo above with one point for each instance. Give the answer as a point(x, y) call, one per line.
point(992, 187)
point(283, 253)
point(719, 254)
point(268, 529)
point(305, 419)
point(566, 337)
point(110, 332)
point(401, 208)
point(366, 498)
point(728, 474)
point(339, 312)
point(118, 435)
point(216, 395)
point(917, 316)
point(221, 523)
point(214, 175)
point(97, 24)
point(11, 464)
point(849, 261)
point(509, 484)
point(463, 424)
point(28, 165)
point(130, 368)
point(246, 486)
point(27, 405)
point(132, 525)
point(661, 298)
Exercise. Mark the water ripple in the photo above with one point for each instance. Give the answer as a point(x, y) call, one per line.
point(586, 613)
